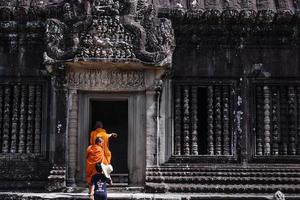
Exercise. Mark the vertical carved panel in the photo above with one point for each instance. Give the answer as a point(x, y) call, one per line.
point(298, 120)
point(283, 121)
point(186, 121)
point(210, 121)
point(218, 122)
point(30, 118)
point(259, 121)
point(291, 121)
point(225, 111)
point(178, 120)
point(15, 118)
point(37, 120)
point(267, 133)
point(194, 135)
point(1, 108)
point(275, 120)
point(22, 125)
point(6, 120)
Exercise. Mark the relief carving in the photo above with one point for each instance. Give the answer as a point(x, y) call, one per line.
point(106, 80)
point(109, 30)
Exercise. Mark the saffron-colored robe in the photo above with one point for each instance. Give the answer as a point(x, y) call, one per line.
point(100, 132)
point(94, 154)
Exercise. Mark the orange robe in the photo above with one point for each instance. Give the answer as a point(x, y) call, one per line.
point(94, 154)
point(99, 132)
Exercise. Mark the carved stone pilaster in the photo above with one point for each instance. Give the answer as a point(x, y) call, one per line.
point(6, 120)
point(72, 136)
point(22, 125)
point(15, 119)
point(292, 116)
point(210, 121)
point(37, 120)
point(259, 121)
point(218, 121)
point(186, 120)
point(30, 120)
point(267, 120)
point(194, 110)
point(178, 121)
point(284, 121)
point(225, 121)
point(275, 121)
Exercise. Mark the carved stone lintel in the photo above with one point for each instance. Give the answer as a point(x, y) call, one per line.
point(106, 80)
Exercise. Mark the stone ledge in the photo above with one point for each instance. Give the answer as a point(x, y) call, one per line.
point(146, 196)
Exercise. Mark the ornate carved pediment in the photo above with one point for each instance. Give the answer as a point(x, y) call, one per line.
point(109, 31)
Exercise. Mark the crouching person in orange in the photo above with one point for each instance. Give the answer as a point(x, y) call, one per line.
point(100, 132)
point(94, 154)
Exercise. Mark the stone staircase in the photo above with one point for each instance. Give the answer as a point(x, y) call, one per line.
point(226, 180)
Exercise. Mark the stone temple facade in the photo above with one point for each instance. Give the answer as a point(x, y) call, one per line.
point(205, 94)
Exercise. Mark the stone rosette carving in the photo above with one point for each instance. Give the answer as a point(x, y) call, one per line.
point(109, 30)
point(106, 80)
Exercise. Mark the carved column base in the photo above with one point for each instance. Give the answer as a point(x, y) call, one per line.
point(57, 179)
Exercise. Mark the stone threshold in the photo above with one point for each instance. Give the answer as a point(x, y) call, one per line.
point(139, 196)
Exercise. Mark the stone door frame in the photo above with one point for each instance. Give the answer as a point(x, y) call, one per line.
point(136, 131)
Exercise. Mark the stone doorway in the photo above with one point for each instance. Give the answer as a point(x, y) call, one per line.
point(114, 115)
point(124, 113)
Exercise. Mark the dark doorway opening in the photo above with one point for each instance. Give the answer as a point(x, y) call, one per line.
point(114, 115)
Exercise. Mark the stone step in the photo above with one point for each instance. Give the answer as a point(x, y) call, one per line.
point(222, 180)
point(220, 188)
point(140, 196)
point(225, 174)
point(223, 169)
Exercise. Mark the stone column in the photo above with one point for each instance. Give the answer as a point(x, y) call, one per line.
point(58, 133)
point(72, 136)
point(151, 140)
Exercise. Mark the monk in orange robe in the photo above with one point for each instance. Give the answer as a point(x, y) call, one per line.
point(100, 132)
point(94, 155)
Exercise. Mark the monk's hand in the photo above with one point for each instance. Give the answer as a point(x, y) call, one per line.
point(114, 135)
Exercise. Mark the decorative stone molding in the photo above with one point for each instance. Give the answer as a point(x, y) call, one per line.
point(108, 30)
point(106, 80)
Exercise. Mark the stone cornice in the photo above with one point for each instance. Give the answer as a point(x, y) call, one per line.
point(231, 16)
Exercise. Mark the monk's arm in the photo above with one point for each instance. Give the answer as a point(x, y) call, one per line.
point(113, 134)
